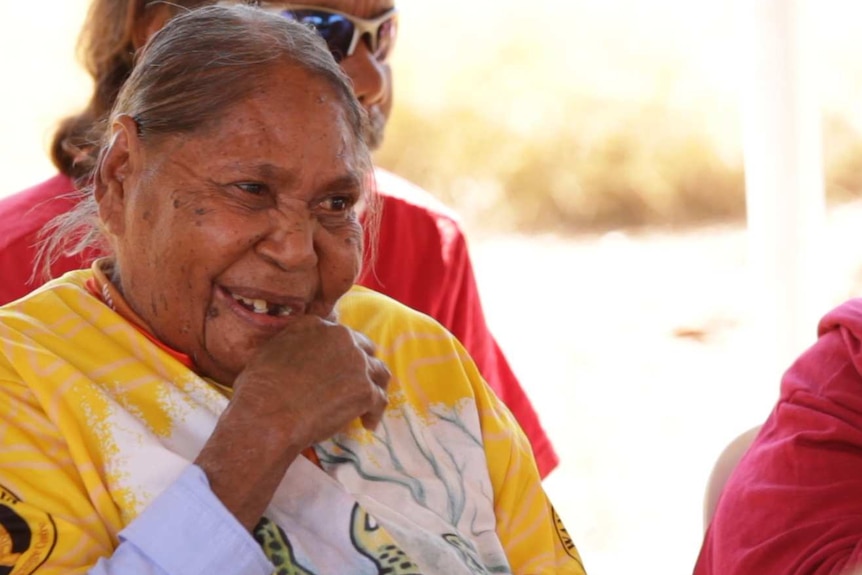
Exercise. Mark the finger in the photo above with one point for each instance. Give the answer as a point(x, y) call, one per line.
point(379, 372)
point(364, 343)
point(371, 419)
point(331, 317)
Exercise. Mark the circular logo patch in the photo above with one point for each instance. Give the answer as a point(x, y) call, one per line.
point(27, 535)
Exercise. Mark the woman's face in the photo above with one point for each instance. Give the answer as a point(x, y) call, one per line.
point(223, 236)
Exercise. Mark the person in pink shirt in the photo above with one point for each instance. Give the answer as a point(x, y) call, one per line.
point(421, 256)
point(791, 505)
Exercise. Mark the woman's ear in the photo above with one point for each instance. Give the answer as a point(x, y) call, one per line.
point(115, 173)
point(154, 17)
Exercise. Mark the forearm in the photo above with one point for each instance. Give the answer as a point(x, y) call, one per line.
point(305, 385)
point(244, 465)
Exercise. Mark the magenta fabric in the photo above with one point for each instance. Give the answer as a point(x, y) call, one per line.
point(793, 504)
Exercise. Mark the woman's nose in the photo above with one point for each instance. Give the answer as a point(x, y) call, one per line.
point(290, 244)
point(369, 75)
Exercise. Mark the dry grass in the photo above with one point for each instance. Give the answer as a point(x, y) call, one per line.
point(622, 119)
point(602, 166)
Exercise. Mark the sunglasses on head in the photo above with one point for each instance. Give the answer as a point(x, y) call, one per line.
point(343, 32)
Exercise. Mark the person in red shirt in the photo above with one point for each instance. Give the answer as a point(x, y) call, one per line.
point(421, 255)
point(792, 504)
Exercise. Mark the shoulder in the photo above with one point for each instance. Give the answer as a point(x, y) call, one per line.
point(36, 196)
point(832, 366)
point(61, 293)
point(418, 350)
point(416, 221)
point(839, 334)
point(395, 191)
point(847, 316)
point(33, 326)
point(25, 213)
point(376, 314)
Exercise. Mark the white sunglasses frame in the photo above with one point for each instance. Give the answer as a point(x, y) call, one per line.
point(361, 26)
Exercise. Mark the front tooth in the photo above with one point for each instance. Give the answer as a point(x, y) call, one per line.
point(245, 300)
point(260, 306)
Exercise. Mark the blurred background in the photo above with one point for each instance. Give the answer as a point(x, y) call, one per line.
point(594, 151)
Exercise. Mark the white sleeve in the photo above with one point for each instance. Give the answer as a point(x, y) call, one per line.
point(185, 531)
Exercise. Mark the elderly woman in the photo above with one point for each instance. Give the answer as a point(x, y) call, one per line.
point(422, 256)
point(203, 400)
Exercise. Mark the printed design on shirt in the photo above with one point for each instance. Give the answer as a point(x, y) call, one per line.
point(373, 542)
point(433, 457)
point(408, 441)
point(277, 548)
point(27, 535)
point(565, 538)
point(467, 552)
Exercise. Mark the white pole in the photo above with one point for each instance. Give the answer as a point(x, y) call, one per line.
point(783, 176)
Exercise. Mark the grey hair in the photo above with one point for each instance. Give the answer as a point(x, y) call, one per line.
point(199, 64)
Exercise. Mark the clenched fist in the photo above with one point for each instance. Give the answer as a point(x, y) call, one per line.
point(303, 386)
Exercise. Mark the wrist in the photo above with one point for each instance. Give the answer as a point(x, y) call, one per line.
point(244, 465)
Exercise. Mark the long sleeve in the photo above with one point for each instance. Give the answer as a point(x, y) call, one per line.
point(57, 517)
point(185, 531)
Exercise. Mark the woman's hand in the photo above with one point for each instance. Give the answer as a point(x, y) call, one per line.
point(311, 380)
point(303, 386)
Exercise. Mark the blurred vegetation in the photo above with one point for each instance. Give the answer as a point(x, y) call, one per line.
point(645, 167)
point(842, 151)
point(621, 123)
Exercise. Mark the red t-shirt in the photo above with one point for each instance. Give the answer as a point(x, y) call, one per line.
point(422, 261)
point(793, 504)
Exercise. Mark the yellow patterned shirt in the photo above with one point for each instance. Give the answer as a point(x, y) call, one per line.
point(99, 421)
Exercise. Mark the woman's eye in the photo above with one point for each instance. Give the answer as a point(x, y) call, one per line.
point(251, 188)
point(337, 203)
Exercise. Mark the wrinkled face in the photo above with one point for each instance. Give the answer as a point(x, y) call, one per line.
point(224, 235)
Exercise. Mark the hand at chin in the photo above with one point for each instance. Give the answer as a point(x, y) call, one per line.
point(304, 385)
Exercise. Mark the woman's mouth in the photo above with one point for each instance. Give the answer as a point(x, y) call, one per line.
point(264, 307)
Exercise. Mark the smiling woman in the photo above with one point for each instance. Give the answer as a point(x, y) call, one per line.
point(224, 199)
point(215, 395)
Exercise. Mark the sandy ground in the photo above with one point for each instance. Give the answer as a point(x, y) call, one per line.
point(643, 359)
